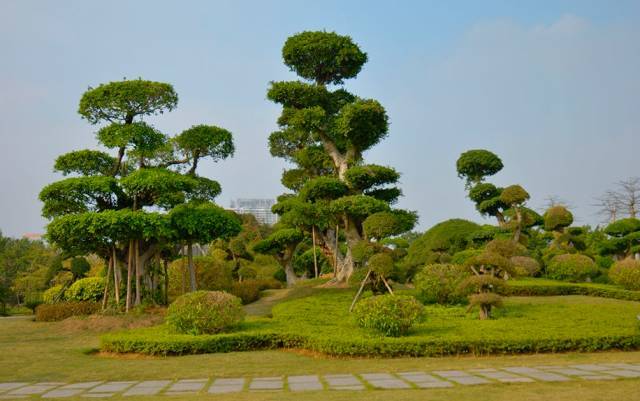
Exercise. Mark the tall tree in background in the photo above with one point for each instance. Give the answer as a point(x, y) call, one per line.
point(116, 206)
point(324, 131)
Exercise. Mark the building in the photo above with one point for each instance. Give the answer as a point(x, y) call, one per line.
point(260, 208)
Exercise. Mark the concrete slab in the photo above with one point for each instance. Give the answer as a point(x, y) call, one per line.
point(187, 386)
point(501, 376)
point(424, 380)
point(34, 389)
point(62, 393)
point(11, 386)
point(461, 377)
point(112, 387)
point(537, 374)
point(343, 382)
point(266, 383)
point(148, 387)
point(227, 385)
point(305, 383)
point(384, 380)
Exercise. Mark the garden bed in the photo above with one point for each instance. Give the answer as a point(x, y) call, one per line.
point(322, 323)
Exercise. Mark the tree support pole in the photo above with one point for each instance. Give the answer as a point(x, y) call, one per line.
point(364, 282)
point(315, 260)
point(105, 296)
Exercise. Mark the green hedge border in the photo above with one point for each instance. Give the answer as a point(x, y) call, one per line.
point(546, 288)
point(167, 344)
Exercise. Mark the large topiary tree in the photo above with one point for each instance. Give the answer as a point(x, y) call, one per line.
point(116, 206)
point(324, 131)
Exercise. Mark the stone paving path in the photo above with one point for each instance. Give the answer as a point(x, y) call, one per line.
point(337, 382)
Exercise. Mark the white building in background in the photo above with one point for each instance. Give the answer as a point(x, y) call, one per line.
point(260, 208)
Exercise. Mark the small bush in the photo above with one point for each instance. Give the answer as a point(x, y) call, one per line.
point(390, 315)
point(525, 266)
point(439, 284)
point(86, 289)
point(204, 312)
point(53, 295)
point(248, 290)
point(33, 300)
point(626, 273)
point(63, 310)
point(571, 267)
point(247, 272)
point(269, 284)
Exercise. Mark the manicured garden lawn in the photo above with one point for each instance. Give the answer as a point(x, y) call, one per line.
point(321, 322)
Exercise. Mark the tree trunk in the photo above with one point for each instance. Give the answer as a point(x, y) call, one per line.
point(485, 312)
point(138, 274)
point(116, 277)
point(192, 269)
point(129, 276)
point(105, 296)
point(166, 282)
point(315, 259)
point(518, 229)
point(353, 237)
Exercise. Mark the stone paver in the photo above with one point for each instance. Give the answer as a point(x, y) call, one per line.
point(222, 386)
point(626, 366)
point(304, 383)
point(266, 383)
point(34, 389)
point(343, 382)
point(70, 390)
point(149, 387)
point(384, 380)
point(501, 376)
point(11, 386)
point(111, 387)
point(583, 374)
point(187, 386)
point(623, 373)
point(537, 374)
point(461, 377)
point(424, 380)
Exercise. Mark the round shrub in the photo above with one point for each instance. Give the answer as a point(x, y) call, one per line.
point(626, 273)
point(247, 272)
point(439, 283)
point(525, 266)
point(557, 217)
point(571, 267)
point(247, 290)
point(53, 295)
point(86, 289)
point(381, 264)
point(389, 315)
point(204, 312)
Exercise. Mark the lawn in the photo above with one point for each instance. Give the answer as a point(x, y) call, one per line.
point(320, 322)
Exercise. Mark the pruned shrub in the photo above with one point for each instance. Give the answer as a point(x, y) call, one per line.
point(626, 273)
point(248, 290)
point(86, 289)
point(525, 266)
point(53, 295)
point(572, 267)
point(439, 283)
point(389, 315)
point(63, 310)
point(460, 257)
point(485, 302)
point(204, 312)
point(247, 272)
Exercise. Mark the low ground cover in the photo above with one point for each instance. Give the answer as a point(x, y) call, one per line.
point(544, 287)
point(321, 323)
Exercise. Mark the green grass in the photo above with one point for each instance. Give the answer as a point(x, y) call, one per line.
point(321, 322)
point(547, 287)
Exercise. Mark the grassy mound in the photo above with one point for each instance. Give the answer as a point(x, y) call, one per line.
point(321, 323)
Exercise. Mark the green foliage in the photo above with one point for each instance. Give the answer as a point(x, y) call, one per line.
point(320, 188)
point(381, 264)
point(323, 57)
point(79, 194)
point(206, 141)
point(203, 221)
point(484, 283)
point(449, 237)
point(363, 122)
point(439, 283)
point(63, 310)
point(557, 217)
point(79, 268)
point(490, 262)
point(204, 312)
point(525, 266)
point(145, 141)
point(365, 177)
point(474, 165)
point(545, 287)
point(483, 191)
point(247, 290)
point(382, 225)
point(85, 162)
point(247, 272)
point(125, 100)
point(54, 294)
point(157, 185)
point(358, 206)
point(389, 315)
point(623, 227)
point(278, 241)
point(86, 289)
point(571, 267)
point(626, 273)
point(506, 247)
point(514, 195)
point(486, 300)
point(459, 258)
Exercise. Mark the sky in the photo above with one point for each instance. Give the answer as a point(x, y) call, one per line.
point(552, 87)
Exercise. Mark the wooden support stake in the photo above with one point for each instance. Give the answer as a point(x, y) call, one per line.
point(364, 282)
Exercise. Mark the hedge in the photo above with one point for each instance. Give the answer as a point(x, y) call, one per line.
point(63, 310)
point(153, 343)
point(541, 287)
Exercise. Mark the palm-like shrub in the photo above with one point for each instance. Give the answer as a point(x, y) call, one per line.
point(438, 283)
point(389, 315)
point(204, 312)
point(626, 273)
point(572, 267)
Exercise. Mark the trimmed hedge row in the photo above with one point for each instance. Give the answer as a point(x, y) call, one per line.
point(63, 310)
point(553, 288)
point(166, 344)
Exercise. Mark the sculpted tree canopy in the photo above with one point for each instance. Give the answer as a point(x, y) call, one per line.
point(138, 207)
point(476, 164)
point(556, 218)
point(324, 132)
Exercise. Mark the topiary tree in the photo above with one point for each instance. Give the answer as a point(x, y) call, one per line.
point(440, 283)
point(477, 164)
point(325, 132)
point(389, 315)
point(623, 238)
point(79, 267)
point(118, 207)
point(282, 244)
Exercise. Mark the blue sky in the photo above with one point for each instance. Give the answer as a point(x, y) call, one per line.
point(551, 86)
